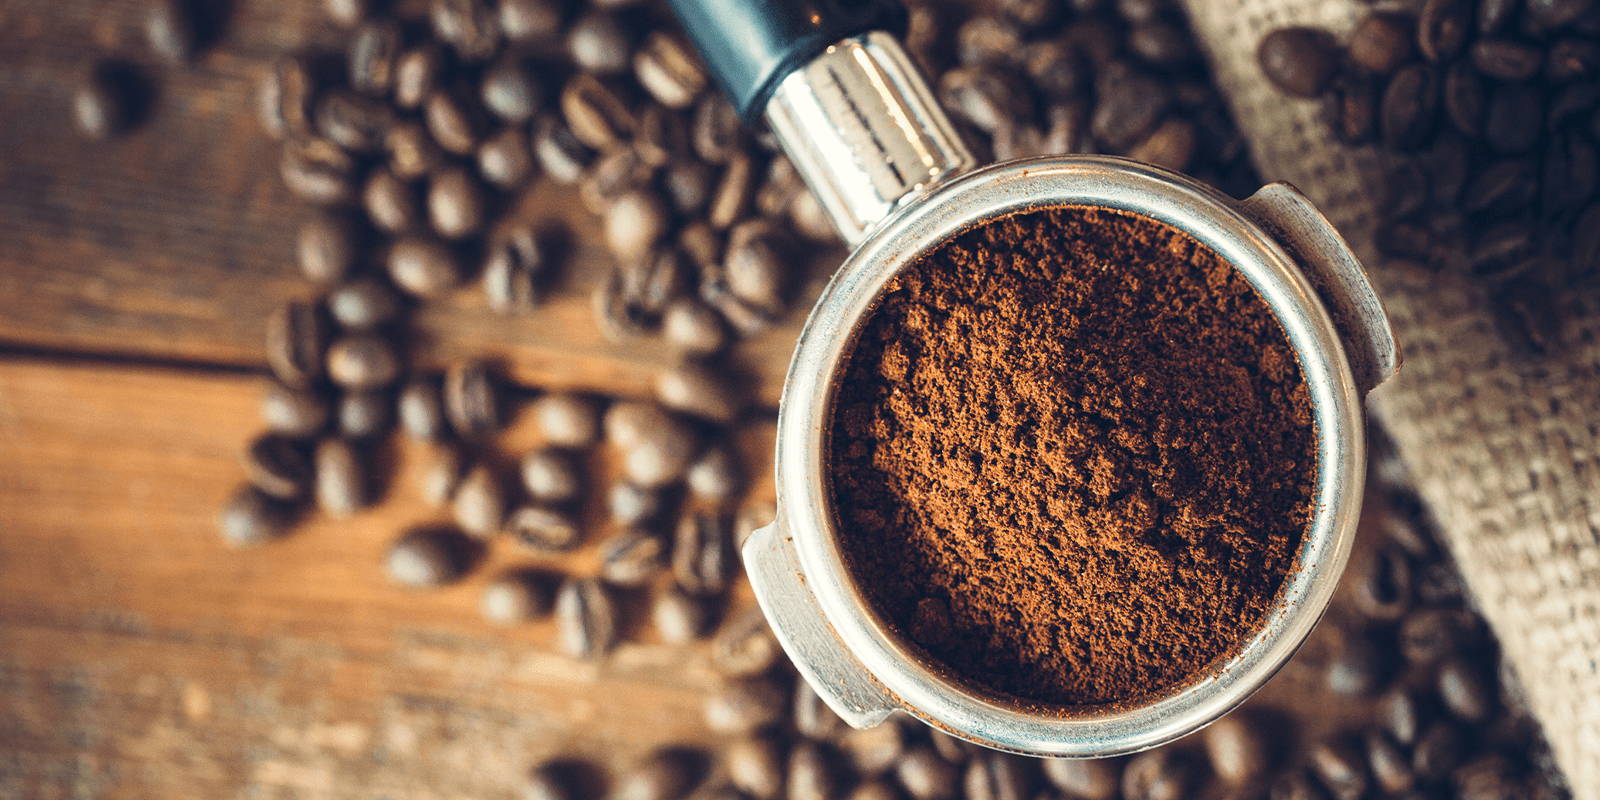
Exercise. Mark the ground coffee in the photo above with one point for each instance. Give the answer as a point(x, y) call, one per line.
point(1071, 456)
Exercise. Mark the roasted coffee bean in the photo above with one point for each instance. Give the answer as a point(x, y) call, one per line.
point(448, 465)
point(1443, 28)
point(452, 124)
point(472, 398)
point(1131, 103)
point(692, 328)
point(1571, 174)
point(527, 20)
point(551, 780)
point(455, 204)
point(1087, 779)
point(1162, 44)
point(317, 171)
point(506, 158)
point(1506, 59)
point(1493, 14)
point(1429, 635)
point(715, 129)
point(278, 466)
point(586, 617)
point(1572, 60)
point(1161, 774)
point(619, 319)
point(1464, 98)
point(1171, 145)
point(412, 151)
point(169, 28)
point(363, 304)
point(873, 751)
point(390, 203)
point(997, 776)
point(1299, 61)
point(1409, 108)
point(745, 645)
point(1438, 584)
point(697, 390)
point(612, 175)
point(1389, 765)
point(512, 271)
point(1398, 714)
point(812, 773)
point(753, 267)
point(550, 476)
point(667, 67)
point(1351, 108)
point(875, 789)
point(1341, 768)
point(631, 558)
point(662, 775)
point(478, 504)
point(986, 96)
point(633, 224)
point(1511, 123)
point(296, 336)
point(340, 482)
point(373, 57)
point(595, 113)
point(597, 43)
point(756, 766)
point(631, 504)
point(425, 557)
point(661, 138)
point(544, 528)
point(296, 413)
point(416, 75)
point(1467, 692)
point(731, 198)
point(812, 717)
point(926, 776)
point(985, 39)
point(515, 597)
point(1358, 668)
point(560, 154)
point(1236, 748)
point(1296, 785)
point(251, 517)
point(363, 361)
point(1488, 777)
point(325, 247)
point(714, 475)
point(468, 26)
point(679, 617)
point(421, 409)
point(1439, 749)
point(347, 12)
point(353, 121)
point(363, 415)
point(702, 557)
point(565, 419)
point(951, 749)
point(1382, 585)
point(745, 705)
point(283, 99)
point(1054, 68)
point(1381, 41)
point(1503, 186)
point(509, 91)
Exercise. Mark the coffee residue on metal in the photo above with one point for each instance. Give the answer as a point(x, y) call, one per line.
point(1071, 457)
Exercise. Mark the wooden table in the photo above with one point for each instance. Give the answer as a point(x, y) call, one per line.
point(140, 656)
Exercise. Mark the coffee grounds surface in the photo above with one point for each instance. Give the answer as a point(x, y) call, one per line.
point(1072, 457)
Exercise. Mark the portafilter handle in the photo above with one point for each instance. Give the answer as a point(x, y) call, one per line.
point(845, 102)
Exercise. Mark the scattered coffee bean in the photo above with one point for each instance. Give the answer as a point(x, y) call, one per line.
point(875, 750)
point(425, 557)
point(631, 504)
point(1160, 774)
point(697, 390)
point(363, 361)
point(663, 775)
point(284, 98)
point(451, 122)
point(1357, 669)
point(812, 773)
point(586, 617)
point(318, 171)
point(631, 558)
point(251, 516)
point(1340, 767)
point(595, 113)
point(505, 159)
point(1397, 713)
point(513, 271)
point(756, 766)
point(468, 26)
point(744, 705)
point(633, 224)
point(702, 557)
point(421, 410)
point(296, 335)
point(551, 476)
point(509, 91)
point(874, 790)
point(278, 466)
point(515, 597)
point(352, 121)
point(446, 468)
point(341, 487)
point(597, 43)
point(669, 70)
point(1382, 584)
point(544, 528)
point(926, 776)
point(567, 420)
point(1443, 27)
point(1097, 779)
point(627, 423)
point(679, 617)
point(1428, 635)
point(296, 413)
point(169, 27)
point(372, 57)
point(528, 20)
point(997, 776)
point(479, 503)
point(551, 780)
point(363, 304)
point(391, 204)
point(1381, 42)
point(745, 645)
point(1439, 750)
point(692, 328)
point(559, 153)
point(1236, 748)
point(347, 12)
point(1389, 765)
point(365, 414)
point(1466, 691)
point(1299, 61)
point(472, 398)
point(416, 75)
point(326, 248)
point(715, 475)
point(455, 204)
point(412, 152)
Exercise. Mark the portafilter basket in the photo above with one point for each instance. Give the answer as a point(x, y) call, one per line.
point(861, 127)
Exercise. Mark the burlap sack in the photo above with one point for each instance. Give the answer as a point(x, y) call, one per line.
point(1504, 447)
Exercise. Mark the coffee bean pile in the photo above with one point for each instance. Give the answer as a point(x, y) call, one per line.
point(1405, 662)
point(1487, 115)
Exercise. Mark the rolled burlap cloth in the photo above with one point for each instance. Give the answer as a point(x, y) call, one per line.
point(1504, 446)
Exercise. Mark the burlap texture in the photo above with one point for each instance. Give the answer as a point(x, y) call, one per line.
point(1504, 447)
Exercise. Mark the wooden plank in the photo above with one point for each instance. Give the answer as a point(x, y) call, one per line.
point(140, 656)
point(176, 240)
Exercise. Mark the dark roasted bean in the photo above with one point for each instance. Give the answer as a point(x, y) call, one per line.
point(996, 776)
point(363, 415)
point(251, 517)
point(373, 56)
point(443, 474)
point(1161, 43)
point(513, 270)
point(416, 75)
point(455, 204)
point(453, 125)
point(1299, 61)
point(509, 91)
point(1467, 692)
point(1131, 104)
point(631, 558)
point(1171, 145)
point(284, 98)
point(661, 139)
point(1493, 14)
point(988, 97)
point(353, 121)
point(472, 398)
point(1086, 779)
point(1511, 123)
point(278, 466)
point(506, 158)
point(1357, 669)
point(631, 504)
point(550, 475)
point(1351, 108)
point(745, 645)
point(317, 171)
point(1161, 774)
point(340, 481)
point(926, 776)
point(714, 475)
point(1383, 584)
point(1397, 713)
point(1389, 765)
point(875, 750)
point(985, 39)
point(595, 113)
point(812, 774)
point(744, 705)
point(425, 557)
point(587, 618)
point(363, 304)
point(544, 528)
point(169, 28)
point(698, 390)
point(1506, 59)
point(1443, 28)
point(421, 410)
point(679, 617)
point(715, 129)
point(347, 12)
point(1409, 108)
point(390, 202)
point(1503, 186)
point(756, 766)
point(412, 151)
point(1572, 60)
point(363, 361)
point(469, 26)
point(617, 172)
point(1340, 767)
point(669, 70)
point(731, 199)
point(1465, 98)
point(325, 248)
point(662, 775)
point(1439, 750)
point(551, 780)
point(478, 504)
point(1236, 748)
point(561, 156)
point(702, 557)
point(296, 413)
point(527, 20)
point(597, 43)
point(1296, 785)
point(634, 223)
point(1428, 635)
point(515, 597)
point(296, 336)
point(1381, 41)
point(691, 327)
point(566, 419)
